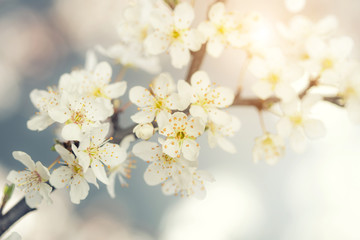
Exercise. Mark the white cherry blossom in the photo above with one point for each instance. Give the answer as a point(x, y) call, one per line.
point(173, 34)
point(206, 100)
point(32, 181)
point(79, 114)
point(275, 75)
point(181, 133)
point(151, 104)
point(218, 29)
point(195, 188)
point(94, 83)
point(43, 101)
point(133, 28)
point(297, 123)
point(326, 58)
point(162, 166)
point(217, 134)
point(72, 175)
point(95, 151)
point(269, 147)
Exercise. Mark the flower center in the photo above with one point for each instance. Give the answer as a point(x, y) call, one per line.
point(327, 64)
point(175, 34)
point(296, 120)
point(98, 92)
point(273, 79)
point(180, 135)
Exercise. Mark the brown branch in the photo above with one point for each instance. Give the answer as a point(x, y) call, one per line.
point(197, 60)
point(265, 104)
point(13, 215)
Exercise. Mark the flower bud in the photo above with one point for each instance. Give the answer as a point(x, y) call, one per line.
point(144, 131)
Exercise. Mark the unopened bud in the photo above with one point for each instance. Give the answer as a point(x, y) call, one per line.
point(144, 131)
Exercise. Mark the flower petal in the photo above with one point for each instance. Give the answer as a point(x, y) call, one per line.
point(25, 159)
point(155, 174)
point(147, 151)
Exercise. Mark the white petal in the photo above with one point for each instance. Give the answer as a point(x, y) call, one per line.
point(215, 47)
point(99, 171)
point(315, 47)
point(156, 43)
point(39, 122)
point(141, 97)
point(42, 171)
point(219, 117)
point(144, 116)
point(262, 89)
point(200, 82)
point(103, 72)
point(217, 12)
point(91, 60)
point(284, 127)
point(163, 85)
point(98, 134)
point(84, 159)
point(67, 156)
point(162, 119)
point(195, 127)
point(285, 92)
point(45, 191)
point(226, 145)
point(71, 132)
point(258, 67)
point(111, 186)
point(298, 141)
point(341, 47)
point(155, 174)
point(116, 90)
point(198, 111)
point(207, 29)
point(171, 147)
point(33, 199)
point(169, 187)
point(79, 189)
point(147, 151)
point(180, 55)
point(314, 128)
point(190, 149)
point(59, 114)
point(183, 15)
point(224, 97)
point(91, 178)
point(327, 25)
point(194, 39)
point(161, 19)
point(25, 159)
point(60, 177)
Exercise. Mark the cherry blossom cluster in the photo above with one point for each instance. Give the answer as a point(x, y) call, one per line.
point(181, 113)
point(81, 105)
point(312, 65)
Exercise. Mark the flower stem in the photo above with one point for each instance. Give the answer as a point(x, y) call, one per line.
point(55, 161)
point(121, 74)
point(262, 122)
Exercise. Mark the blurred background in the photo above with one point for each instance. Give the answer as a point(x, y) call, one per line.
point(315, 195)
